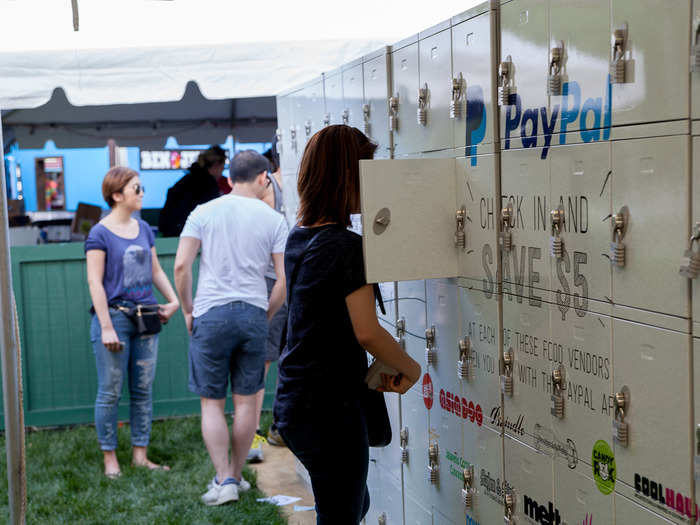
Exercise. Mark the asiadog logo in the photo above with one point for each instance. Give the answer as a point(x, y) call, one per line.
point(528, 123)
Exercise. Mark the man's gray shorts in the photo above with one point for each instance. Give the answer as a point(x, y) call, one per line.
point(275, 326)
point(228, 341)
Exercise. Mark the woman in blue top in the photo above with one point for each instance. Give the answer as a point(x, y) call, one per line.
point(122, 266)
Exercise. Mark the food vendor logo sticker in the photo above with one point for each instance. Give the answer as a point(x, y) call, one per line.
point(427, 391)
point(604, 471)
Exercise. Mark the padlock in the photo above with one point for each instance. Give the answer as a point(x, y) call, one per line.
point(381, 519)
point(509, 508)
point(505, 81)
point(468, 490)
point(433, 467)
point(460, 234)
point(346, 116)
point(620, 426)
point(430, 353)
point(293, 138)
point(558, 220)
point(464, 362)
point(507, 373)
point(394, 113)
point(327, 119)
point(403, 439)
point(617, 246)
point(557, 409)
point(307, 128)
point(618, 62)
point(555, 67)
point(278, 140)
point(422, 111)
point(365, 118)
point(457, 101)
point(506, 236)
point(690, 262)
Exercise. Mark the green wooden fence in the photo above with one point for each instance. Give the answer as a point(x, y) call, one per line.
point(58, 366)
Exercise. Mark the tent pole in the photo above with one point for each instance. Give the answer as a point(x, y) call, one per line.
point(14, 433)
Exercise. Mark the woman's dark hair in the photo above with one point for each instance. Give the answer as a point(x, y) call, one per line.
point(329, 175)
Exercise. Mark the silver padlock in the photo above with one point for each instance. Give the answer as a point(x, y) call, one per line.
point(381, 519)
point(403, 439)
point(557, 409)
point(278, 140)
point(468, 489)
point(327, 119)
point(618, 250)
point(618, 61)
point(509, 508)
point(422, 111)
point(457, 101)
point(293, 138)
point(394, 113)
point(556, 244)
point(505, 81)
point(460, 234)
point(620, 426)
point(433, 466)
point(365, 118)
point(307, 128)
point(507, 373)
point(554, 81)
point(430, 353)
point(346, 116)
point(465, 357)
point(690, 262)
point(506, 220)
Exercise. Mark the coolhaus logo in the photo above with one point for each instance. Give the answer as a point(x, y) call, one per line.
point(460, 407)
point(516, 427)
point(663, 498)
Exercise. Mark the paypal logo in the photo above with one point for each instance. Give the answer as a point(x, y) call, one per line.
point(476, 120)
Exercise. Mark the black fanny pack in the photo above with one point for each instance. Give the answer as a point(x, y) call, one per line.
point(144, 316)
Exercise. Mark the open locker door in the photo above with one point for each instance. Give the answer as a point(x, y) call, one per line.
point(409, 212)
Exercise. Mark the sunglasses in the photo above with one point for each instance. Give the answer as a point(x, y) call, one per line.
point(139, 189)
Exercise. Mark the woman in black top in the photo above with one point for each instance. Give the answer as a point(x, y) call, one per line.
point(332, 321)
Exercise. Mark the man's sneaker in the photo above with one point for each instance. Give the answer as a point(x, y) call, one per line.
point(243, 485)
point(218, 494)
point(255, 454)
point(274, 438)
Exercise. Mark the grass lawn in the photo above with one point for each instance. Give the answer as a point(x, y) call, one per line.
point(65, 483)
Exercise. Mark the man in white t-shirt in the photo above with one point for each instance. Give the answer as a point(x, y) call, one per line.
point(238, 234)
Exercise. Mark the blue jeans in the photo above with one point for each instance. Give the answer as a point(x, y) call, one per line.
point(340, 489)
point(228, 342)
point(138, 359)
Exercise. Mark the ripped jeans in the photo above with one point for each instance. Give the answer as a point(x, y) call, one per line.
point(138, 359)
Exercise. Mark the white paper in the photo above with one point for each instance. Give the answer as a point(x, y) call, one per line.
point(301, 508)
point(279, 500)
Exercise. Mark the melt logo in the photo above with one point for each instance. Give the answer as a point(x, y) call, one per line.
point(460, 407)
point(427, 391)
point(545, 515)
point(604, 471)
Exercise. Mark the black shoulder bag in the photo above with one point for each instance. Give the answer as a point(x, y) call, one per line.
point(372, 401)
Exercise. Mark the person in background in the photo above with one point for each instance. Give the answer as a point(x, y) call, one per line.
point(238, 234)
point(199, 185)
point(272, 197)
point(122, 266)
point(332, 321)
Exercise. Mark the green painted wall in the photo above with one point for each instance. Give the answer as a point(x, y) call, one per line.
point(59, 376)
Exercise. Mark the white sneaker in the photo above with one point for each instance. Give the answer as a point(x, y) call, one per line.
point(243, 486)
point(255, 454)
point(220, 494)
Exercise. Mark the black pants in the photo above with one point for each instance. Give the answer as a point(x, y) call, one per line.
point(335, 451)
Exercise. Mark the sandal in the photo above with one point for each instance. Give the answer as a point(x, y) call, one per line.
point(113, 475)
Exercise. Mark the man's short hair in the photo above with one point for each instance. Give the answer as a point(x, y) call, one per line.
point(246, 165)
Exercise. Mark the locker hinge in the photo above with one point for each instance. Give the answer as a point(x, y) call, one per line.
point(307, 128)
point(403, 443)
point(506, 221)
point(555, 70)
point(618, 61)
point(468, 489)
point(394, 113)
point(346, 116)
point(293, 138)
point(365, 119)
point(401, 328)
point(507, 373)
point(457, 101)
point(558, 386)
point(433, 464)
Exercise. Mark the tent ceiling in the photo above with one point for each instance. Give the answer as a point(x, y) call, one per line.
point(191, 120)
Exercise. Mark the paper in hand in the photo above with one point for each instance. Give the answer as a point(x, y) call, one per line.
point(374, 374)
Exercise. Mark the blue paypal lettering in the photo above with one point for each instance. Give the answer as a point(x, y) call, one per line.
point(476, 121)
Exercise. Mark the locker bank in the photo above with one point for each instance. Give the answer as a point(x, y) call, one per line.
point(531, 216)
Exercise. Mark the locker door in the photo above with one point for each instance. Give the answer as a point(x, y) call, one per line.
point(479, 318)
point(657, 419)
point(581, 348)
point(525, 329)
point(695, 218)
point(628, 511)
point(333, 88)
point(415, 470)
point(389, 458)
point(376, 95)
point(353, 96)
point(525, 38)
point(579, 500)
point(312, 110)
point(450, 410)
point(404, 66)
point(584, 28)
point(483, 455)
point(650, 177)
point(529, 478)
point(526, 187)
point(376, 495)
point(415, 512)
point(694, 58)
point(656, 71)
point(284, 121)
point(435, 72)
point(471, 47)
point(581, 184)
point(477, 176)
point(408, 211)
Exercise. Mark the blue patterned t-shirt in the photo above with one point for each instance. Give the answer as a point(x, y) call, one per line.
point(128, 272)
